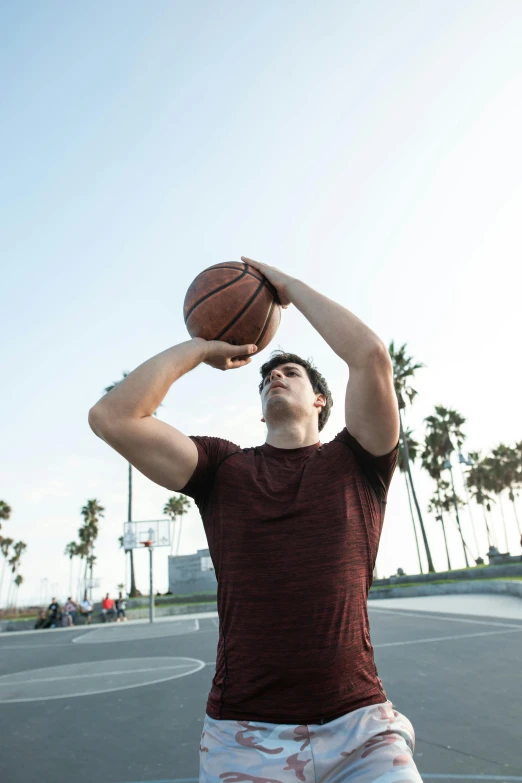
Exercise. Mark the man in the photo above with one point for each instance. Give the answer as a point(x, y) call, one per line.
point(86, 609)
point(121, 606)
point(293, 528)
point(70, 610)
point(108, 609)
point(54, 614)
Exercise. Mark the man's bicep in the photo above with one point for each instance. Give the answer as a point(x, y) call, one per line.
point(162, 453)
point(372, 413)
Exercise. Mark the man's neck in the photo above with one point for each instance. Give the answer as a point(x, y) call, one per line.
point(292, 435)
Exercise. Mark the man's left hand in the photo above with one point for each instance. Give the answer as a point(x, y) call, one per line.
point(279, 280)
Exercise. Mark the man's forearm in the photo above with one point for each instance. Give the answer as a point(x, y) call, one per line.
point(144, 389)
point(346, 334)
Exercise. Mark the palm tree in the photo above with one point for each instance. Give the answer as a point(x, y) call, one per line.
point(91, 559)
point(5, 545)
point(176, 506)
point(476, 480)
point(133, 591)
point(467, 461)
point(508, 476)
point(5, 511)
point(440, 502)
point(14, 562)
point(88, 534)
point(413, 448)
point(404, 368)
point(18, 581)
point(497, 479)
point(444, 428)
point(71, 550)
point(513, 470)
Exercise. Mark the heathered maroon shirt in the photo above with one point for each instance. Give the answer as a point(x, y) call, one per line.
point(293, 535)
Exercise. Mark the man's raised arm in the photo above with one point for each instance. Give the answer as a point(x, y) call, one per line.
point(124, 418)
point(371, 408)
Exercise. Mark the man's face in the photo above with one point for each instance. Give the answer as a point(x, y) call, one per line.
point(287, 391)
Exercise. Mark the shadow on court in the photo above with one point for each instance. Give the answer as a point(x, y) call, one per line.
point(125, 704)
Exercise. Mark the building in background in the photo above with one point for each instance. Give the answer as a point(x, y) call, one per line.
point(192, 573)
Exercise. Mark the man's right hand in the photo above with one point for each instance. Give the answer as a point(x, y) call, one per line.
point(224, 356)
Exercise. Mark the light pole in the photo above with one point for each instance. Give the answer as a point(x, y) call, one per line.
point(447, 466)
point(469, 463)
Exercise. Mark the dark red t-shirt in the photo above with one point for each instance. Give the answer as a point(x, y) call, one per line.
point(293, 535)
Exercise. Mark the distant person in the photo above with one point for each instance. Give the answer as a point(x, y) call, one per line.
point(54, 614)
point(108, 609)
point(121, 606)
point(41, 620)
point(293, 527)
point(71, 609)
point(86, 609)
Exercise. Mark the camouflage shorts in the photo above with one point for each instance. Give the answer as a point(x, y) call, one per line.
point(371, 745)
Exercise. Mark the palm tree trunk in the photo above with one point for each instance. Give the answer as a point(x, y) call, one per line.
point(512, 498)
point(413, 522)
point(457, 515)
point(85, 576)
point(431, 568)
point(70, 576)
point(503, 520)
point(132, 591)
point(445, 540)
point(2, 578)
point(469, 509)
point(487, 526)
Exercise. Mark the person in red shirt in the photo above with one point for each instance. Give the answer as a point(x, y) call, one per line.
point(108, 608)
point(293, 528)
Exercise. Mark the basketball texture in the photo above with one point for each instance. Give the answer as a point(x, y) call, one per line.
point(232, 302)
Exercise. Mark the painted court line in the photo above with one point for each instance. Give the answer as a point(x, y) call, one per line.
point(91, 676)
point(448, 638)
point(441, 616)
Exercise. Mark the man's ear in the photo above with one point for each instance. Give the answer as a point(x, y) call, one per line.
point(263, 421)
point(320, 401)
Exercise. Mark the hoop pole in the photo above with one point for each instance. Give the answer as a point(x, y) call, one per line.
point(151, 588)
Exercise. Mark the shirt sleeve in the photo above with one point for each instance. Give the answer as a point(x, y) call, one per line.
point(211, 453)
point(378, 471)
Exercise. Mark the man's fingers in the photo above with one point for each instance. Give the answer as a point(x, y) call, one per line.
point(244, 350)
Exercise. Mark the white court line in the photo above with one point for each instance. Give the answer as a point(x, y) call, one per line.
point(447, 776)
point(165, 678)
point(87, 676)
point(447, 638)
point(165, 618)
point(406, 613)
point(105, 630)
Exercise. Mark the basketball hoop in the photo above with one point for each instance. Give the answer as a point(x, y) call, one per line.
point(147, 543)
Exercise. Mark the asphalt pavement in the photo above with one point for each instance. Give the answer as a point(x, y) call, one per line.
point(125, 703)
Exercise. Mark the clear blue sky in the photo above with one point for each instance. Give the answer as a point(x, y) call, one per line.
point(370, 148)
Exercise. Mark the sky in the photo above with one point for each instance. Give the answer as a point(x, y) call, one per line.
point(370, 149)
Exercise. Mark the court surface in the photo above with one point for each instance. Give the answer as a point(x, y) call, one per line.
point(125, 703)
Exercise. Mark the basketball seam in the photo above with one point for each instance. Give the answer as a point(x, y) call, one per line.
point(241, 312)
point(244, 272)
point(215, 291)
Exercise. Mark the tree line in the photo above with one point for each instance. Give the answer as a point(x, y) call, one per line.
point(12, 551)
point(487, 479)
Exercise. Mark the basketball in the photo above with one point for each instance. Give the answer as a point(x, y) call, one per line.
point(232, 302)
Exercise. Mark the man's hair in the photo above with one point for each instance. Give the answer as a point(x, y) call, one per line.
point(319, 384)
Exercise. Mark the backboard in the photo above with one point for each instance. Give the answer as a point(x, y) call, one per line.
point(136, 533)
